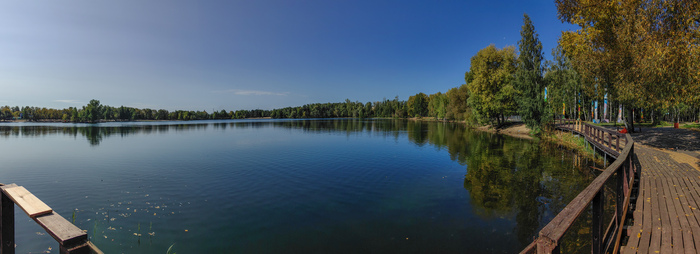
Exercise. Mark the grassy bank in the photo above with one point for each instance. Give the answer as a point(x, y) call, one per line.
point(691, 126)
point(572, 141)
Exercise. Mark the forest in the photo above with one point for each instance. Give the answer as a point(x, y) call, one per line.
point(637, 58)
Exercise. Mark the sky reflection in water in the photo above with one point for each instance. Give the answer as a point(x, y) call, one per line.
point(291, 186)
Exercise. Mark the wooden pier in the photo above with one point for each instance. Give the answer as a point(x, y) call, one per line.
point(70, 238)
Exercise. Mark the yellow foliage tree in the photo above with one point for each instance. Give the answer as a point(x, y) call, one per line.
point(643, 53)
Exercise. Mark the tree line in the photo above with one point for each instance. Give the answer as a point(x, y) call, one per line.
point(95, 112)
point(642, 56)
point(638, 57)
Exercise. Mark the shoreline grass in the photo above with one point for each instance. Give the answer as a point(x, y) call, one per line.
point(574, 142)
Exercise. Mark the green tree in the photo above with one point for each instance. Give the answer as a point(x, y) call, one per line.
point(457, 107)
point(563, 83)
point(491, 92)
point(6, 113)
point(93, 111)
point(438, 105)
point(529, 82)
point(418, 105)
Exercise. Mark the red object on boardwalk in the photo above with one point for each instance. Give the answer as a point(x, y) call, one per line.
point(675, 125)
point(624, 130)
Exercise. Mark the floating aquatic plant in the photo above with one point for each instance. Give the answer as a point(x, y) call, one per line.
point(170, 249)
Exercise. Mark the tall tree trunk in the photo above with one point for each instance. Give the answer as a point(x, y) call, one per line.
point(630, 121)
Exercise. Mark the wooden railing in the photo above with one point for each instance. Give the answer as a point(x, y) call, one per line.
point(604, 240)
point(70, 238)
point(609, 141)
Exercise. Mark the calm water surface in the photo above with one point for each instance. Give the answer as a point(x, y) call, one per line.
point(291, 186)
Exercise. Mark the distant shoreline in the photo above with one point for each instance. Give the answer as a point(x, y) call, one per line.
point(115, 121)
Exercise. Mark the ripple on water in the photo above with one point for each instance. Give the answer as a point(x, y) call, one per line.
point(295, 187)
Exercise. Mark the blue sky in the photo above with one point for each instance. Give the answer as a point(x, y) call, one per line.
point(213, 55)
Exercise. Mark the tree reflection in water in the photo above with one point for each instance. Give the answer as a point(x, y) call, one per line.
point(505, 177)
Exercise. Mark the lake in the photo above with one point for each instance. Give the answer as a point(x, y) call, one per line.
point(291, 186)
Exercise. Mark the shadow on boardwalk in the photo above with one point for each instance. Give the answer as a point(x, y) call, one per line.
point(682, 141)
point(669, 138)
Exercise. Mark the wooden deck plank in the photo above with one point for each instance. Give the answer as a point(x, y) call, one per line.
point(655, 243)
point(679, 240)
point(645, 239)
point(64, 232)
point(635, 231)
point(686, 199)
point(31, 205)
point(692, 198)
point(670, 219)
point(661, 174)
point(667, 214)
point(685, 219)
point(663, 214)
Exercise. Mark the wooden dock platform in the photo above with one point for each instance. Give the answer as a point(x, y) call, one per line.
point(666, 218)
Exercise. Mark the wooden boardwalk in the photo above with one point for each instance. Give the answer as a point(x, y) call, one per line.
point(592, 198)
point(666, 218)
point(661, 216)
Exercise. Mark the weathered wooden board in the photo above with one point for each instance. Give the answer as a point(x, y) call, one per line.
point(5, 186)
point(71, 239)
point(64, 232)
point(31, 205)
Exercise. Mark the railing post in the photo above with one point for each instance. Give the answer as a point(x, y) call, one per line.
point(602, 137)
point(597, 227)
point(547, 246)
point(7, 225)
point(617, 146)
point(594, 132)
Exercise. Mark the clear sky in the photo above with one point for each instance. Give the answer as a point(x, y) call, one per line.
point(204, 55)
